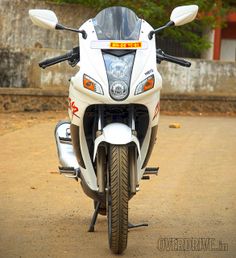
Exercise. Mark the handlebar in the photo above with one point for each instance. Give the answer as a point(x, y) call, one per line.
point(161, 56)
point(72, 56)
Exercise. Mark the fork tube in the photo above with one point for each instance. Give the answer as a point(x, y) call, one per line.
point(100, 160)
point(100, 118)
point(131, 118)
point(132, 154)
point(133, 169)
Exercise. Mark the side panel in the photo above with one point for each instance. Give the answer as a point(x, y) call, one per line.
point(88, 173)
point(150, 146)
point(74, 129)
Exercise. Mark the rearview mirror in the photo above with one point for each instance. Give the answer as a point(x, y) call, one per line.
point(48, 20)
point(179, 16)
point(184, 14)
point(43, 18)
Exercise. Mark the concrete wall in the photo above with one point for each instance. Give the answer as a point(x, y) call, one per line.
point(23, 45)
point(17, 30)
point(19, 68)
point(204, 76)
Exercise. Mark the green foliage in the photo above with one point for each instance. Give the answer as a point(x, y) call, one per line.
point(157, 13)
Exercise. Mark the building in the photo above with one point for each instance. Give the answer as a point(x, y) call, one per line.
point(223, 41)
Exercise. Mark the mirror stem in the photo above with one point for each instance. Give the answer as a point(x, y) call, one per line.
point(61, 27)
point(168, 24)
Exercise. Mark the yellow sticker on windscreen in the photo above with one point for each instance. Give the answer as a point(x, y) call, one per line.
point(137, 44)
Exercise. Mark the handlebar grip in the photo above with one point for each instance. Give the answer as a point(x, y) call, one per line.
point(55, 60)
point(161, 56)
point(177, 60)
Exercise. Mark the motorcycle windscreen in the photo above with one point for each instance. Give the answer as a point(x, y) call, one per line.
point(117, 23)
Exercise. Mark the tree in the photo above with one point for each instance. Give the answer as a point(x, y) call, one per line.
point(157, 13)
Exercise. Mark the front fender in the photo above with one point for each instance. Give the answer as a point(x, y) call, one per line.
point(118, 134)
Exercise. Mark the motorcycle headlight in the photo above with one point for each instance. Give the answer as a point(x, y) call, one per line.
point(145, 85)
point(119, 90)
point(119, 74)
point(92, 85)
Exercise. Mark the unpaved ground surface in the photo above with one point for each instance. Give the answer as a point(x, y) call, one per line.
point(43, 214)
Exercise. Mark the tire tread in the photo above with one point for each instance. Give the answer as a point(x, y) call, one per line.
point(119, 196)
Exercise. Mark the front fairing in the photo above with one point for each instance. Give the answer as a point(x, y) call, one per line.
point(92, 63)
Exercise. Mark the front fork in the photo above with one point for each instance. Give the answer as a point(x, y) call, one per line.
point(101, 154)
point(101, 158)
point(133, 156)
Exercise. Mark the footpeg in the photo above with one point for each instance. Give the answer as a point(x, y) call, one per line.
point(151, 171)
point(70, 172)
point(130, 225)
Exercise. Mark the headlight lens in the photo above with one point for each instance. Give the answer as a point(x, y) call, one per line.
point(119, 74)
point(92, 85)
point(145, 85)
point(119, 90)
point(118, 69)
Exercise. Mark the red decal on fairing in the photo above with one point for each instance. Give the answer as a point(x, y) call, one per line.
point(157, 110)
point(73, 107)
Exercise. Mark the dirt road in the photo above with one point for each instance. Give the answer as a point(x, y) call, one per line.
point(43, 214)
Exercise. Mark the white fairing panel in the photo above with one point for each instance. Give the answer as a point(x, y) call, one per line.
point(92, 64)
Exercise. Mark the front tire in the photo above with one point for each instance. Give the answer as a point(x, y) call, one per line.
point(117, 198)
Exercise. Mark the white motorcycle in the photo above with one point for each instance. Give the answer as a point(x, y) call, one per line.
point(114, 104)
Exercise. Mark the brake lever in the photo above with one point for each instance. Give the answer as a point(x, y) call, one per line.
point(159, 56)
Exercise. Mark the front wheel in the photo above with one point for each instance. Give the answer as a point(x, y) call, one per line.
point(117, 198)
